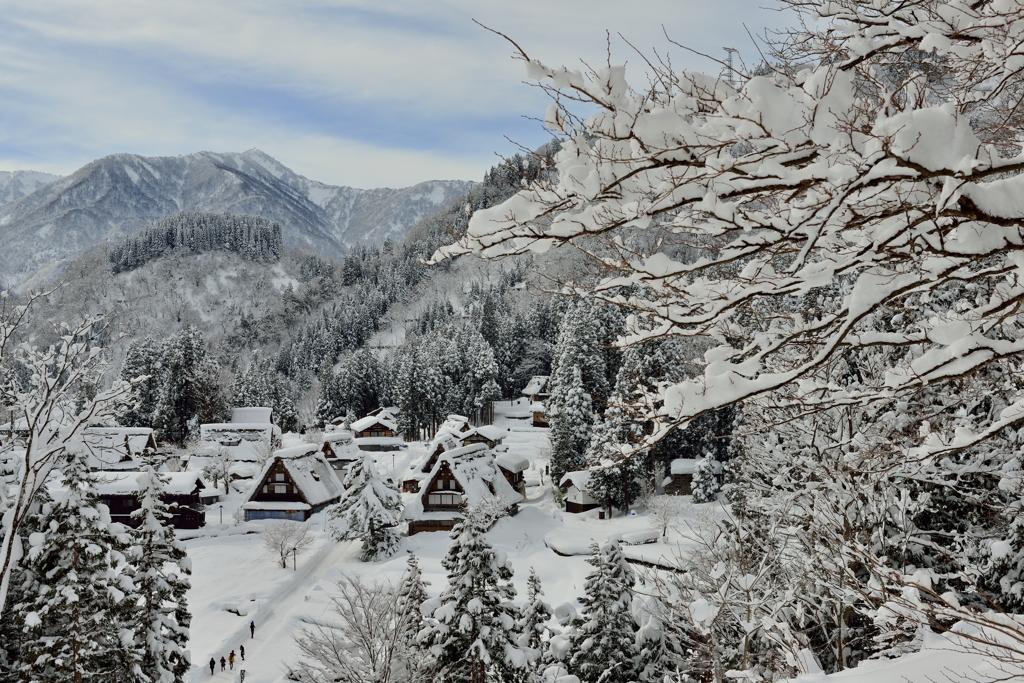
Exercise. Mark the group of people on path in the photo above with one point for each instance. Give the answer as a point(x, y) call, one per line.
point(230, 660)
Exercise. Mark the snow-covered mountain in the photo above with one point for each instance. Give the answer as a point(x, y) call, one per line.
point(40, 231)
point(17, 184)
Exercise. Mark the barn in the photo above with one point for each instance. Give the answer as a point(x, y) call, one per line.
point(295, 484)
point(680, 479)
point(574, 492)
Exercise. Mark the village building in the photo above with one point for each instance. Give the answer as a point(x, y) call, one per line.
point(680, 479)
point(374, 433)
point(467, 475)
point(574, 492)
point(540, 415)
point(295, 484)
point(117, 448)
point(536, 389)
point(247, 437)
point(339, 449)
point(513, 468)
point(488, 435)
point(119, 491)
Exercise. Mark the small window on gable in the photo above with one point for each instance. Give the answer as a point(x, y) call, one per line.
point(279, 476)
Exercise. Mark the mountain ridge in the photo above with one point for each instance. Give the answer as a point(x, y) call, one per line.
point(42, 230)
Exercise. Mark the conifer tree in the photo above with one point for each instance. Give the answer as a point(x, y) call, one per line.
point(473, 635)
point(161, 570)
point(571, 416)
point(24, 584)
point(534, 615)
point(143, 359)
point(603, 641)
point(190, 395)
point(80, 623)
point(704, 485)
point(261, 385)
point(368, 510)
point(412, 593)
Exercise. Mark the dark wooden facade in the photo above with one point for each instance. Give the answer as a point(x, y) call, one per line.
point(376, 429)
point(189, 512)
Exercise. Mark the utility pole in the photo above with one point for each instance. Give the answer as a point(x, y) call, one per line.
point(730, 71)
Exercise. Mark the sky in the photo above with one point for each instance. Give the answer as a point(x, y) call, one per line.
point(365, 94)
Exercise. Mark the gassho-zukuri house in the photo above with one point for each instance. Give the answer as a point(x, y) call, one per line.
point(295, 484)
point(340, 449)
point(250, 431)
point(119, 491)
point(469, 474)
point(117, 448)
point(376, 433)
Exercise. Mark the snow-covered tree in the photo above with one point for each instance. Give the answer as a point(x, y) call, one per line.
point(412, 593)
point(603, 643)
point(472, 636)
point(534, 615)
point(44, 401)
point(144, 359)
point(160, 570)
point(570, 412)
point(286, 539)
point(191, 394)
point(704, 485)
point(262, 385)
point(82, 618)
point(368, 510)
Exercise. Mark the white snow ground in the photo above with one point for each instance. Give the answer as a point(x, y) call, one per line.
point(235, 580)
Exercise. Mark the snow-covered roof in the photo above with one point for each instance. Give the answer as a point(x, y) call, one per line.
point(310, 472)
point(489, 432)
point(579, 479)
point(338, 437)
point(127, 484)
point(536, 385)
point(370, 420)
point(111, 445)
point(296, 451)
point(512, 462)
point(476, 470)
point(251, 415)
point(237, 427)
point(347, 449)
point(689, 466)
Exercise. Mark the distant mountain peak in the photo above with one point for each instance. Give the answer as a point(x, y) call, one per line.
point(43, 226)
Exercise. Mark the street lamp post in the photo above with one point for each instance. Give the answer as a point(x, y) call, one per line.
point(221, 506)
point(295, 562)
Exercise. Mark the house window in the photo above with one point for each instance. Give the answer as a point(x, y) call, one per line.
point(279, 476)
point(280, 488)
point(444, 499)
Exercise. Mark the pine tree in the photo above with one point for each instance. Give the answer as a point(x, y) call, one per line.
point(261, 385)
point(603, 643)
point(571, 418)
point(190, 394)
point(24, 583)
point(704, 485)
point(143, 359)
point(161, 570)
point(473, 634)
point(80, 622)
point(368, 510)
point(534, 615)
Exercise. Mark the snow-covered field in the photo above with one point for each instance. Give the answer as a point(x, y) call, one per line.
point(235, 580)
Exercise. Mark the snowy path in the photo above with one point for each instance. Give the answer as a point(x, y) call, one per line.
point(263, 663)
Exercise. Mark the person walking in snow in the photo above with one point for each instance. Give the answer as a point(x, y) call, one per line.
point(223, 663)
point(252, 629)
point(241, 651)
point(231, 660)
point(213, 663)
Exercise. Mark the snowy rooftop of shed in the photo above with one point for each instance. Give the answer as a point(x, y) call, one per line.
point(512, 462)
point(579, 479)
point(338, 437)
point(535, 385)
point(689, 466)
point(296, 451)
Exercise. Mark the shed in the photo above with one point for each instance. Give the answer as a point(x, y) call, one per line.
point(119, 491)
point(680, 479)
point(512, 467)
point(540, 415)
point(466, 475)
point(574, 492)
point(296, 483)
point(537, 388)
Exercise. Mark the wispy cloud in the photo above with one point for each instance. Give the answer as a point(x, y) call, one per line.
point(351, 92)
